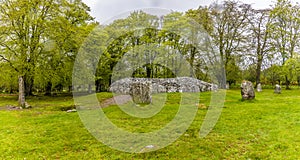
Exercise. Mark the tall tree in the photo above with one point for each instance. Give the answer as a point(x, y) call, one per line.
point(119, 38)
point(285, 28)
point(25, 27)
point(291, 68)
point(23, 23)
point(203, 17)
point(66, 33)
point(260, 38)
point(230, 31)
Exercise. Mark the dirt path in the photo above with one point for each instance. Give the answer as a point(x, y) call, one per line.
point(121, 99)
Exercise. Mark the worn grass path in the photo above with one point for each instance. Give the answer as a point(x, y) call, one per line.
point(116, 100)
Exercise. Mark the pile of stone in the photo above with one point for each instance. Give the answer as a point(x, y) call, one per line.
point(160, 85)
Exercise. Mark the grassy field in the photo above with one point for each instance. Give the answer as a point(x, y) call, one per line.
point(265, 128)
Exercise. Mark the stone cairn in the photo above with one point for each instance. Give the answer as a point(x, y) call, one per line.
point(247, 90)
point(258, 88)
point(277, 89)
point(140, 92)
point(163, 85)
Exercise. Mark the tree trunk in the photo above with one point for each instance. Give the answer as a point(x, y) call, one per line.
point(221, 75)
point(48, 89)
point(71, 88)
point(21, 92)
point(258, 72)
point(98, 85)
point(90, 89)
point(28, 85)
point(11, 90)
point(148, 71)
point(287, 83)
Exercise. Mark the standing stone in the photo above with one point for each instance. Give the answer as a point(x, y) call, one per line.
point(140, 92)
point(277, 89)
point(21, 92)
point(259, 89)
point(247, 90)
point(227, 86)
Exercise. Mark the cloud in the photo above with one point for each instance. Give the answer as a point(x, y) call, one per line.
point(104, 10)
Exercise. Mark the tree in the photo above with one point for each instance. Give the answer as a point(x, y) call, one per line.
point(22, 25)
point(118, 38)
point(274, 74)
point(65, 35)
point(260, 38)
point(25, 28)
point(285, 28)
point(8, 78)
point(230, 30)
point(250, 73)
point(203, 17)
point(159, 39)
point(291, 69)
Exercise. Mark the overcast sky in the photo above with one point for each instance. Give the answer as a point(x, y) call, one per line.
point(103, 10)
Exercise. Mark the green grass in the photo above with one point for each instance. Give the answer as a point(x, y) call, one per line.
point(265, 128)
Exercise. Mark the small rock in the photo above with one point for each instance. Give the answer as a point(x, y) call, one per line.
point(150, 146)
point(71, 110)
point(277, 89)
point(227, 86)
point(27, 105)
point(258, 88)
